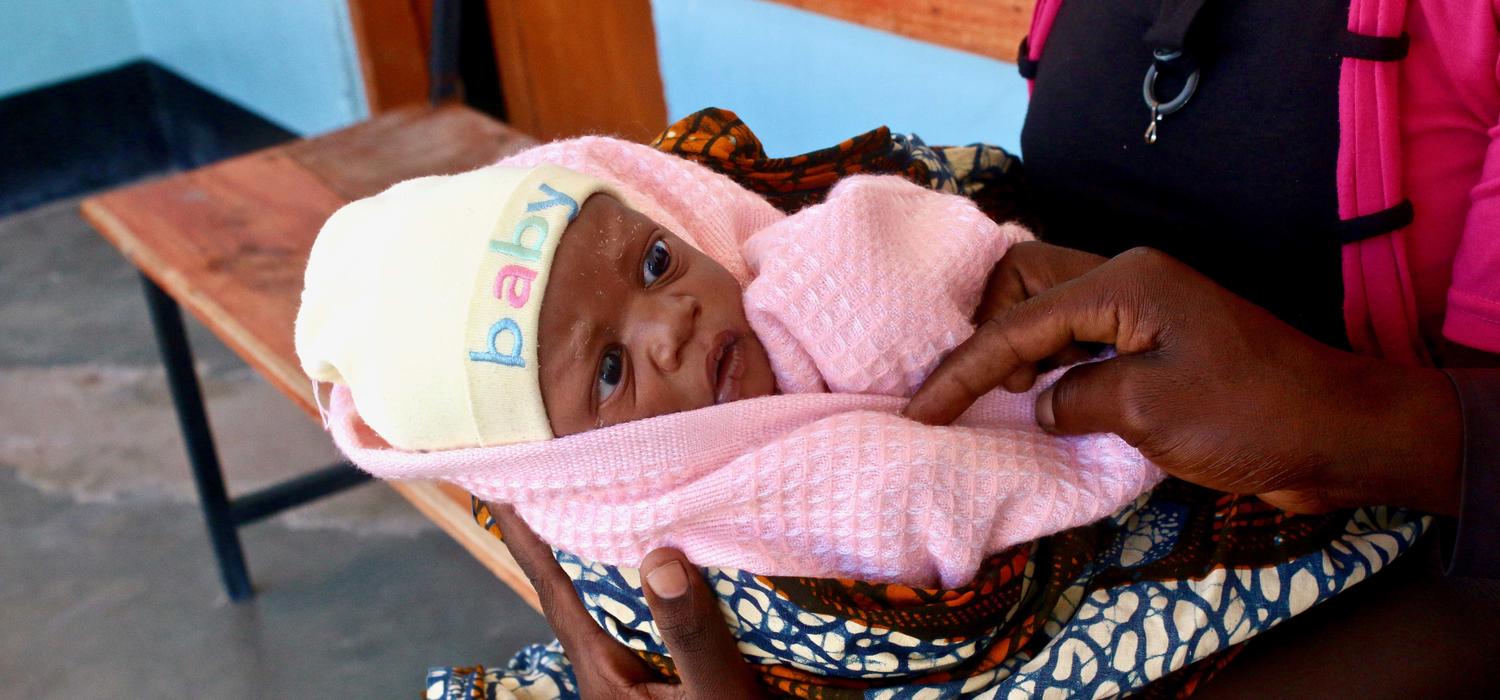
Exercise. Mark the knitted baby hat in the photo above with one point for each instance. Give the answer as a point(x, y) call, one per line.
point(424, 301)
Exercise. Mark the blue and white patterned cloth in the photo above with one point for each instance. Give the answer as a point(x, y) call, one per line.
point(1096, 640)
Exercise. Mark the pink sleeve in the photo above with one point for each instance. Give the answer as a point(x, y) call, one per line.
point(865, 292)
point(1474, 299)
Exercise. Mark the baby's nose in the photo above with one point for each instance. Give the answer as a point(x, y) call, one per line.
point(671, 329)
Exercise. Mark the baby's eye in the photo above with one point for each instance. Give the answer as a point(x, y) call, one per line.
point(611, 371)
point(658, 261)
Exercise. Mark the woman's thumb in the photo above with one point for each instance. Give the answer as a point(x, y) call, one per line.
point(688, 618)
point(1088, 398)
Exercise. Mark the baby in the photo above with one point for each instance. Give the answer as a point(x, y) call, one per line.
point(574, 312)
point(637, 323)
point(584, 287)
point(589, 305)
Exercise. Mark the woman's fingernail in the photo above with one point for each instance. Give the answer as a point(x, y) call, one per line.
point(1044, 415)
point(668, 581)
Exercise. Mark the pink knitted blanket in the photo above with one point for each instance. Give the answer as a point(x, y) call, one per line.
point(860, 296)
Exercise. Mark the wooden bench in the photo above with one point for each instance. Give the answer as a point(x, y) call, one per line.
point(230, 241)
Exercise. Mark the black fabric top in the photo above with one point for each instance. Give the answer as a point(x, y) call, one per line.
point(1241, 181)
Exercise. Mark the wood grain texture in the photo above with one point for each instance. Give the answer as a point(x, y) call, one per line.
point(408, 143)
point(229, 242)
point(569, 68)
point(392, 38)
point(992, 28)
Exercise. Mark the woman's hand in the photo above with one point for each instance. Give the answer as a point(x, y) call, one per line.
point(1216, 391)
point(686, 613)
point(1028, 269)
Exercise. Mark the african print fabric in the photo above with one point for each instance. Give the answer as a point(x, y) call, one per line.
point(1148, 601)
point(718, 139)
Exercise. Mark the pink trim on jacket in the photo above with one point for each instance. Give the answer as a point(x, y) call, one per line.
point(1380, 307)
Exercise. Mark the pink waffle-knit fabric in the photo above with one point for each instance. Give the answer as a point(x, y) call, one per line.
point(859, 296)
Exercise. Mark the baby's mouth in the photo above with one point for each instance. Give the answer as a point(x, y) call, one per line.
point(726, 367)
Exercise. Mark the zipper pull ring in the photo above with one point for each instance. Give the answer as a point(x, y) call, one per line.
point(1158, 107)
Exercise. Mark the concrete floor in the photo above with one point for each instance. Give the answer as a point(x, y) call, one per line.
point(107, 584)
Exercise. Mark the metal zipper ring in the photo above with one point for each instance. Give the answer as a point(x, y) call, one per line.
point(1148, 87)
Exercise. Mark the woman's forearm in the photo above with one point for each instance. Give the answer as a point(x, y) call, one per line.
point(1404, 440)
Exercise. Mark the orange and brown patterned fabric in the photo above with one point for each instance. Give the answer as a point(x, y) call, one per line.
point(718, 139)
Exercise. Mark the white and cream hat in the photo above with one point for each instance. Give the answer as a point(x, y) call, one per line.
point(424, 300)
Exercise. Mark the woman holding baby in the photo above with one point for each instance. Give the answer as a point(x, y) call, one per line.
point(1291, 238)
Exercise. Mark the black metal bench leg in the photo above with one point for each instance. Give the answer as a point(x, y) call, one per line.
point(182, 380)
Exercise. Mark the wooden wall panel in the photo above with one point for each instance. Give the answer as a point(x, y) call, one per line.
point(992, 28)
point(392, 38)
point(572, 67)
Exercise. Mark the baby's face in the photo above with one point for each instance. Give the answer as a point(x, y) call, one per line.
point(636, 323)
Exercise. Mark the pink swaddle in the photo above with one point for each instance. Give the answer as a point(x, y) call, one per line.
point(861, 295)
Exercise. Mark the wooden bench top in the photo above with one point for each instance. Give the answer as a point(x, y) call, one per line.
point(230, 241)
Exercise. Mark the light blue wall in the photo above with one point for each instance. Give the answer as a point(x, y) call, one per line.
point(800, 80)
point(803, 81)
point(46, 41)
point(291, 61)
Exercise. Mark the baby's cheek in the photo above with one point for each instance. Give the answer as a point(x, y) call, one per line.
point(687, 398)
point(760, 379)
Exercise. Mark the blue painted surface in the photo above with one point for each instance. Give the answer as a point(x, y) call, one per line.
point(804, 81)
point(44, 41)
point(291, 61)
